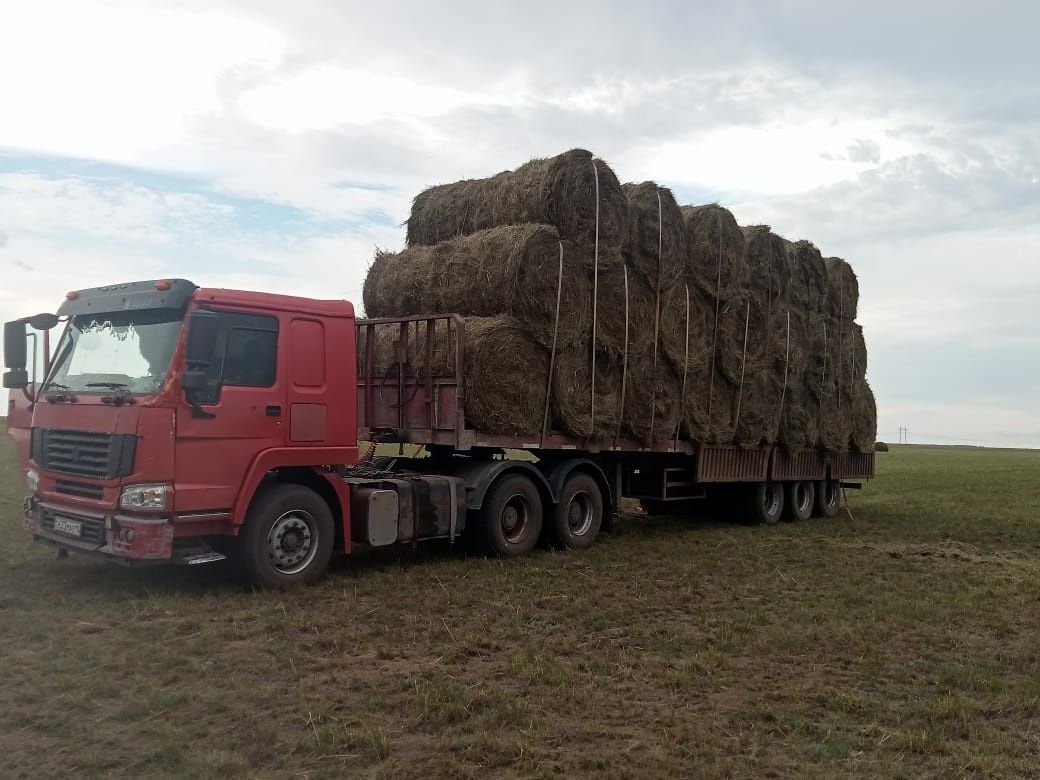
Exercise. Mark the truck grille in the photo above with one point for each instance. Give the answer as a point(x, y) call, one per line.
point(81, 489)
point(91, 529)
point(98, 455)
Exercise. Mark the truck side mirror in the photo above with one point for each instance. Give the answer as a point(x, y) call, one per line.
point(15, 355)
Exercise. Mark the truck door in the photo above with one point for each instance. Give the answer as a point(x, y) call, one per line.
point(245, 394)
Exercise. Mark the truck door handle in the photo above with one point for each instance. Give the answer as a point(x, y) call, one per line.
point(273, 411)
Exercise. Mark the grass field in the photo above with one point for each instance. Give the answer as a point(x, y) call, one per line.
point(900, 643)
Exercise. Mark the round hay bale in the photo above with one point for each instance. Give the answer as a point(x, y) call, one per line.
point(808, 286)
point(768, 266)
point(740, 337)
point(759, 410)
point(559, 191)
point(656, 243)
point(572, 388)
point(799, 420)
point(623, 298)
point(685, 329)
point(843, 288)
point(864, 418)
point(716, 250)
point(513, 270)
point(835, 418)
point(652, 398)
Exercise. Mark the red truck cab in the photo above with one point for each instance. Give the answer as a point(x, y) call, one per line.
point(126, 462)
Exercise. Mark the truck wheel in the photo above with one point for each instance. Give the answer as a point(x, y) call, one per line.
point(800, 500)
point(767, 502)
point(828, 493)
point(579, 514)
point(287, 537)
point(511, 517)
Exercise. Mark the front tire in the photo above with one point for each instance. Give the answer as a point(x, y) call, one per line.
point(287, 538)
point(579, 514)
point(511, 518)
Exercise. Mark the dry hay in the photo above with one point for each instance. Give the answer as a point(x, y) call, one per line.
point(799, 426)
point(626, 310)
point(864, 418)
point(656, 243)
point(843, 288)
point(807, 276)
point(768, 265)
point(573, 411)
point(653, 409)
point(507, 270)
point(716, 250)
point(559, 191)
point(739, 337)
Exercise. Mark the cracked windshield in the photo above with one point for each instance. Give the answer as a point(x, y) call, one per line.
point(120, 351)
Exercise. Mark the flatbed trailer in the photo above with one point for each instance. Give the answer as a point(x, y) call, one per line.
point(412, 405)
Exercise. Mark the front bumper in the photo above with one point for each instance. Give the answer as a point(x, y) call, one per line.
point(123, 537)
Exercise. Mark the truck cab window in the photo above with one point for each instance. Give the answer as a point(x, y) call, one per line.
point(246, 354)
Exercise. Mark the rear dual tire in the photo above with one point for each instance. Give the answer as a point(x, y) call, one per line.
point(513, 516)
point(828, 498)
point(800, 500)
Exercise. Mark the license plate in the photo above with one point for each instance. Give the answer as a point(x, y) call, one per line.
point(65, 526)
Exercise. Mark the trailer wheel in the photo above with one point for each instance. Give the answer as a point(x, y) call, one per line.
point(287, 538)
point(828, 493)
point(800, 500)
point(579, 514)
point(767, 502)
point(511, 518)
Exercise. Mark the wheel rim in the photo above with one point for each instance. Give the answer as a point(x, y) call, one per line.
point(772, 502)
point(830, 494)
point(802, 495)
point(516, 517)
point(579, 514)
point(292, 542)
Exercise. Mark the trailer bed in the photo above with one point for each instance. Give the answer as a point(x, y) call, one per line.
point(412, 406)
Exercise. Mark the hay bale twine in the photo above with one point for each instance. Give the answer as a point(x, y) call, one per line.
point(656, 243)
point(624, 299)
point(768, 266)
point(864, 418)
point(716, 250)
point(685, 329)
point(559, 191)
point(843, 288)
point(513, 270)
point(807, 277)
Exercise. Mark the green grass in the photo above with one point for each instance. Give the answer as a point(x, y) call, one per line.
point(900, 642)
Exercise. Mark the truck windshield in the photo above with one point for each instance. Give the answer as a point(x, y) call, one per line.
point(131, 350)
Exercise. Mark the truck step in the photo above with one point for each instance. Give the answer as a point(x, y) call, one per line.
point(202, 557)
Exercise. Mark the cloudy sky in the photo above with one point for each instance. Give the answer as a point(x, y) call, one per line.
point(271, 146)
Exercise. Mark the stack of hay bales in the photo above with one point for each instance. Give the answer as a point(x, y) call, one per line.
point(607, 311)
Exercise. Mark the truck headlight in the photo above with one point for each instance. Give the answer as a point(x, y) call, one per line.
point(144, 497)
point(32, 480)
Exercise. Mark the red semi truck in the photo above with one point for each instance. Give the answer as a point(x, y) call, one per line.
point(182, 424)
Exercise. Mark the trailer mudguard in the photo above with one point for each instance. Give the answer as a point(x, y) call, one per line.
point(479, 475)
